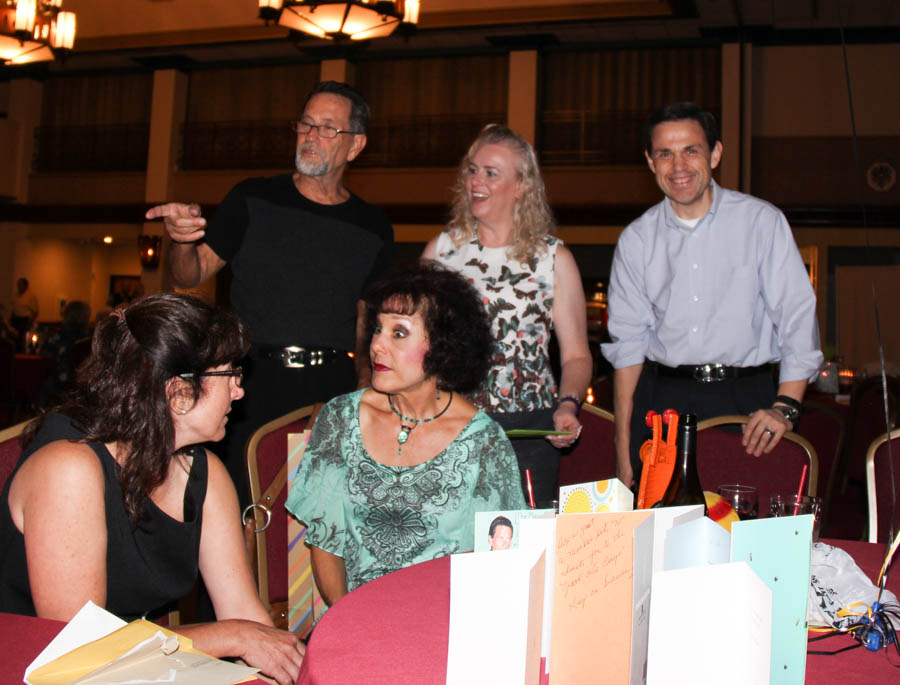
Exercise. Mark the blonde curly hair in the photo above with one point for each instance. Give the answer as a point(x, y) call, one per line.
point(532, 217)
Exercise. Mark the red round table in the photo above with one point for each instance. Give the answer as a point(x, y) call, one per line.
point(395, 631)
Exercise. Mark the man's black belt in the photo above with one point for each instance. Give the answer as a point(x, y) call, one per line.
point(297, 356)
point(707, 373)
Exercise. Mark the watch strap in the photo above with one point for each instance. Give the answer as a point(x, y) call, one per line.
point(789, 401)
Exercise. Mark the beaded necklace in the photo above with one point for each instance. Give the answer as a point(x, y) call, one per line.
point(405, 430)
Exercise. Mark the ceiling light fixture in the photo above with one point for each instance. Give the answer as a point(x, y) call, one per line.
point(353, 19)
point(34, 31)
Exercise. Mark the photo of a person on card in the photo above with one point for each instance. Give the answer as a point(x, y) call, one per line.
point(500, 533)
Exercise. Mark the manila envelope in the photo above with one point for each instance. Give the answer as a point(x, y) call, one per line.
point(710, 624)
point(496, 605)
point(140, 651)
point(779, 550)
point(603, 571)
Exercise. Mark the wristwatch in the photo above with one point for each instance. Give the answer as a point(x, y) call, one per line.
point(792, 414)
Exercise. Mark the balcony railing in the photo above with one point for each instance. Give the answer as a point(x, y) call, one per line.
point(585, 137)
point(423, 140)
point(96, 147)
point(238, 145)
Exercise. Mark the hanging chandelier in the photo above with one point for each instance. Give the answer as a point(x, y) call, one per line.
point(332, 19)
point(34, 30)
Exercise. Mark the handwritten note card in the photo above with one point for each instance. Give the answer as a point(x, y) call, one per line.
point(595, 570)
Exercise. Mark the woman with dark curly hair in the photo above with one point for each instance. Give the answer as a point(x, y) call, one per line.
point(500, 239)
point(114, 499)
point(393, 475)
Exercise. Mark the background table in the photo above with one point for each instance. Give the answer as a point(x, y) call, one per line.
point(395, 631)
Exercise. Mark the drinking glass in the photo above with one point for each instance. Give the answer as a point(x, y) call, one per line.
point(744, 499)
point(791, 505)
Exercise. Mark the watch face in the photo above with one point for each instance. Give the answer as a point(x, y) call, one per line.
point(789, 413)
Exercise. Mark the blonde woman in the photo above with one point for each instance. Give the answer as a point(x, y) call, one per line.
point(499, 238)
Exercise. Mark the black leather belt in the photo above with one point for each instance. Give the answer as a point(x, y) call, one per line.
point(297, 357)
point(707, 373)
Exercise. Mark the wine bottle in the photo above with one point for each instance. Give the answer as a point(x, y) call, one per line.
point(684, 488)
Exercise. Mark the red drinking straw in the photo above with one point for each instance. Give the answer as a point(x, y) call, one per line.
point(800, 489)
point(530, 491)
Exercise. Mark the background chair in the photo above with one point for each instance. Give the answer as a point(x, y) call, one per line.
point(878, 485)
point(594, 455)
point(721, 459)
point(266, 533)
point(845, 494)
point(866, 423)
point(10, 449)
point(825, 429)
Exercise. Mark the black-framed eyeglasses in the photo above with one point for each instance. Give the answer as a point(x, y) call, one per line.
point(323, 130)
point(236, 372)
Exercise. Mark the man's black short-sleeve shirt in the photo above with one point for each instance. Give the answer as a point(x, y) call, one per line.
point(299, 267)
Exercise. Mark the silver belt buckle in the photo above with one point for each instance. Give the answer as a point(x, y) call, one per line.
point(709, 373)
point(294, 357)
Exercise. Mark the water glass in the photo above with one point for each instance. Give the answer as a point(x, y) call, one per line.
point(744, 499)
point(791, 505)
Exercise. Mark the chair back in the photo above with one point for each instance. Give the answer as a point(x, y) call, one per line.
point(721, 459)
point(594, 455)
point(824, 427)
point(10, 449)
point(267, 454)
point(866, 423)
point(878, 485)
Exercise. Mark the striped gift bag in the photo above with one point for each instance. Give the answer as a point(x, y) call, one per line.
point(304, 602)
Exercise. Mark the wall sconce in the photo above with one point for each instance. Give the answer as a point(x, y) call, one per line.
point(149, 247)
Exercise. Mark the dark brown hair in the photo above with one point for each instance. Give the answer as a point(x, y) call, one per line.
point(120, 393)
point(457, 326)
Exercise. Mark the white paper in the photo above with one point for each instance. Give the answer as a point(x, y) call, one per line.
point(640, 614)
point(496, 606)
point(89, 624)
point(700, 542)
point(710, 624)
point(664, 519)
point(541, 534)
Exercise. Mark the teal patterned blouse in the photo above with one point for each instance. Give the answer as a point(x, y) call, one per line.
point(381, 518)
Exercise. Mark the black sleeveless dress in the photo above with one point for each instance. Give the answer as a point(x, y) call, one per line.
point(148, 566)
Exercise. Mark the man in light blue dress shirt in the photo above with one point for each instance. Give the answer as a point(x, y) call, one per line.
point(708, 291)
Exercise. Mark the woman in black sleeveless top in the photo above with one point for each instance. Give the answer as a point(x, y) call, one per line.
point(118, 501)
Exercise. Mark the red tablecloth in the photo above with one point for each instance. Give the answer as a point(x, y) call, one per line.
point(394, 631)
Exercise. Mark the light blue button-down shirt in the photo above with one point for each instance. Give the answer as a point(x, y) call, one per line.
point(732, 290)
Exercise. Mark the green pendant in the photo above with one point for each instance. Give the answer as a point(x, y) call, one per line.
point(403, 435)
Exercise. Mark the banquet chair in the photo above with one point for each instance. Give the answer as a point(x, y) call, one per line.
point(824, 427)
point(721, 459)
point(878, 485)
point(10, 449)
point(866, 422)
point(594, 455)
point(266, 519)
point(7, 381)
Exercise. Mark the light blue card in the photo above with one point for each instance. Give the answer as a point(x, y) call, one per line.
point(700, 542)
point(779, 549)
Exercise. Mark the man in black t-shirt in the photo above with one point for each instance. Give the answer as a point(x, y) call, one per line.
point(302, 250)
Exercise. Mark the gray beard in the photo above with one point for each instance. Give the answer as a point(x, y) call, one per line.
point(309, 168)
